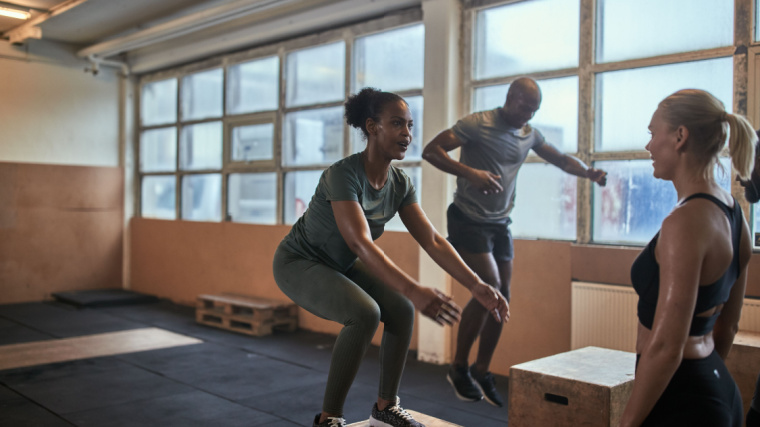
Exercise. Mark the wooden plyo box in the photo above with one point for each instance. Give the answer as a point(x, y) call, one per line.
point(245, 314)
point(585, 387)
point(744, 364)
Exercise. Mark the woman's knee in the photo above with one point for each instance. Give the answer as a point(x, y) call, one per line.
point(366, 318)
point(404, 311)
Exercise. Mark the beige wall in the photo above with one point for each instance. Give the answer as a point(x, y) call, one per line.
point(60, 230)
point(54, 112)
point(61, 187)
point(180, 260)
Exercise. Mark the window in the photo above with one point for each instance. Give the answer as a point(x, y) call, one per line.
point(252, 198)
point(158, 149)
point(630, 209)
point(253, 86)
point(245, 138)
point(627, 98)
point(502, 46)
point(601, 80)
point(644, 28)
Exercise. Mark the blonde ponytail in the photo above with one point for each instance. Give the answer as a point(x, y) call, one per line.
point(708, 123)
point(741, 144)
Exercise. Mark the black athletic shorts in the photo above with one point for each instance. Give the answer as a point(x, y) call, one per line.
point(479, 237)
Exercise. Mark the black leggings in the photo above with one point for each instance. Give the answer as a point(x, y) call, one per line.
point(753, 415)
point(701, 393)
point(359, 301)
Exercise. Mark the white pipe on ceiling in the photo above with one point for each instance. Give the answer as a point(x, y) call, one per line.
point(180, 26)
point(334, 14)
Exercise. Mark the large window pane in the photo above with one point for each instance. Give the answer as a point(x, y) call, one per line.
point(545, 203)
point(201, 197)
point(414, 152)
point(299, 189)
point(158, 197)
point(202, 95)
point(158, 102)
point(158, 150)
point(253, 86)
point(316, 75)
point(201, 146)
point(628, 98)
point(391, 60)
point(252, 198)
point(637, 29)
point(313, 137)
point(527, 36)
point(557, 119)
point(253, 143)
point(415, 173)
point(631, 207)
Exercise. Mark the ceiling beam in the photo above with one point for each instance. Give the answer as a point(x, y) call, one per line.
point(181, 26)
point(31, 29)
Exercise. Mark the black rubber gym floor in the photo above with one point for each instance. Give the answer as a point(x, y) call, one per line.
point(228, 380)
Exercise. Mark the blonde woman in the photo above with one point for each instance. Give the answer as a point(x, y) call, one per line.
point(691, 277)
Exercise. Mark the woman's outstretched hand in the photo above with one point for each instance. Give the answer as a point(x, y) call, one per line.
point(436, 305)
point(492, 300)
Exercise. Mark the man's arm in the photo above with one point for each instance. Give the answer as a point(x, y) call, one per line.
point(436, 152)
point(570, 164)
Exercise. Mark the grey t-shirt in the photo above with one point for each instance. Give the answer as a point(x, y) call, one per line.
point(490, 143)
point(315, 235)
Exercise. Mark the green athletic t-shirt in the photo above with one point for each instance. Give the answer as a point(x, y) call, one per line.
point(315, 235)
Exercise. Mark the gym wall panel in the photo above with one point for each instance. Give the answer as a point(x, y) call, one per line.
point(61, 229)
point(180, 260)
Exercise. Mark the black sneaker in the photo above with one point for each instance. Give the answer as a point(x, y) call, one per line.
point(464, 387)
point(487, 385)
point(392, 416)
point(329, 422)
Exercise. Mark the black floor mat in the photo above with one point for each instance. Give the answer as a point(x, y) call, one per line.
point(103, 298)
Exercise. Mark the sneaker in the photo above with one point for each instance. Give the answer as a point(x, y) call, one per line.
point(487, 385)
point(392, 416)
point(464, 387)
point(329, 422)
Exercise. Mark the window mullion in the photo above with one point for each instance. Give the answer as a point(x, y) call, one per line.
point(585, 116)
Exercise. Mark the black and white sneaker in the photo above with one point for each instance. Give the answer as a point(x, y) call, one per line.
point(464, 386)
point(329, 422)
point(487, 385)
point(392, 416)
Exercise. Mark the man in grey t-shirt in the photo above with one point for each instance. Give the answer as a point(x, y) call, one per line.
point(494, 144)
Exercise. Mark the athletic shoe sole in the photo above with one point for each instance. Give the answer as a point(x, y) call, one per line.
point(459, 396)
point(377, 423)
point(485, 396)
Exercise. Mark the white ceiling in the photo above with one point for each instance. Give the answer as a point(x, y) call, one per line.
point(153, 34)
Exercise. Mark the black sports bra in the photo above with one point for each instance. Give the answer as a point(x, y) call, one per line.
point(645, 276)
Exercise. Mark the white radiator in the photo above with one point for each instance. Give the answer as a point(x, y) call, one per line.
point(605, 316)
point(750, 320)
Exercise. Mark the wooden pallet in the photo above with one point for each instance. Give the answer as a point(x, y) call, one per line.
point(246, 314)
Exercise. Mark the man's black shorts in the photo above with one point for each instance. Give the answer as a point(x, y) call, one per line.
point(478, 237)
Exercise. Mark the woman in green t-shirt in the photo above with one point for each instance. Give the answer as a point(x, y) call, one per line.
point(330, 265)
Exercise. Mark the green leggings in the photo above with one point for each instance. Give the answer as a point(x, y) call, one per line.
point(359, 301)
